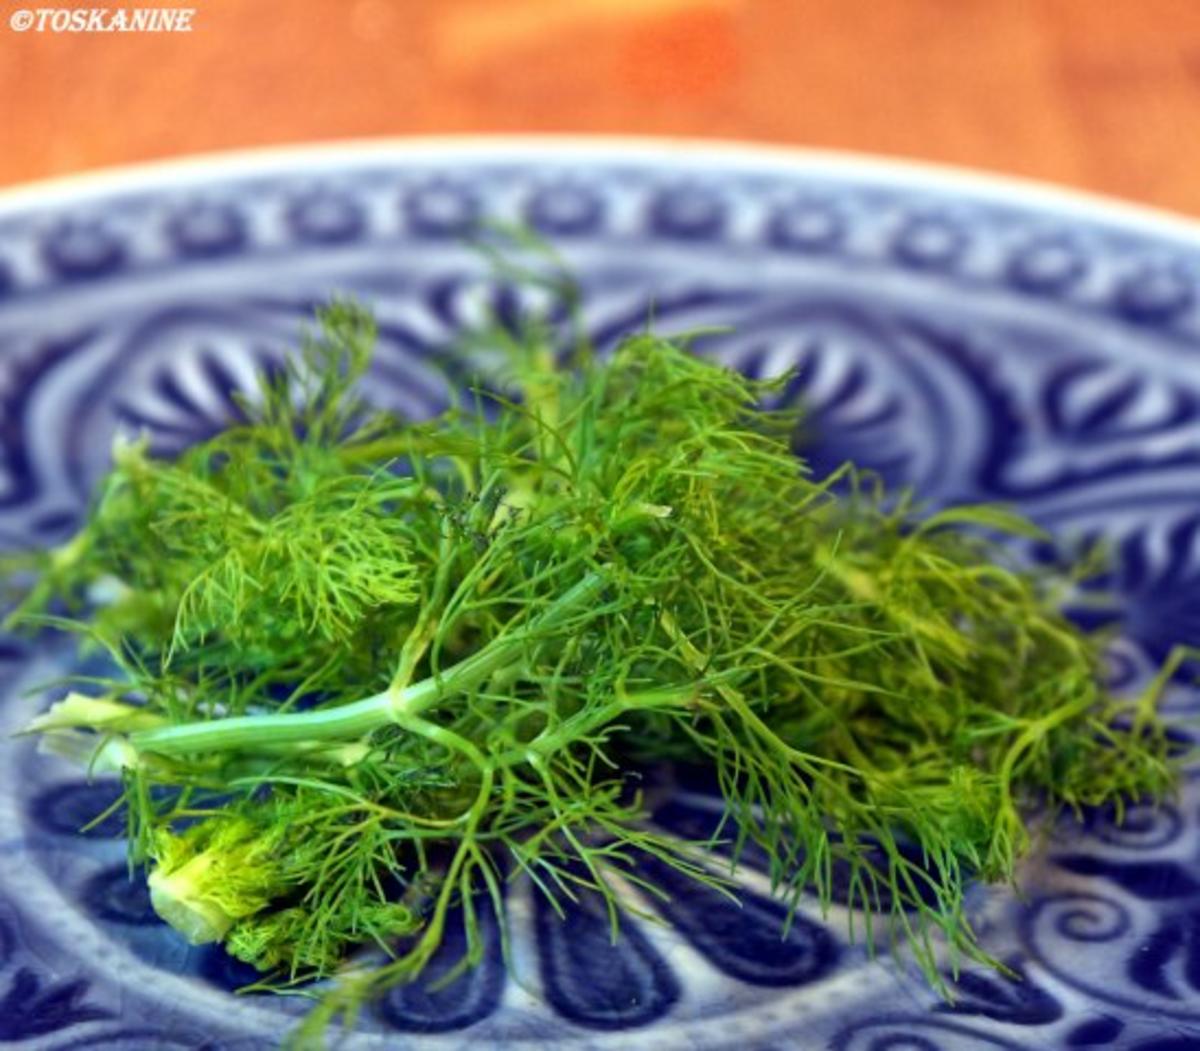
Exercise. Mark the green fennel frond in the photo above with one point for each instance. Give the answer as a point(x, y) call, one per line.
point(386, 666)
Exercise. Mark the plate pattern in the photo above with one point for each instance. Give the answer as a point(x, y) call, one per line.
point(969, 344)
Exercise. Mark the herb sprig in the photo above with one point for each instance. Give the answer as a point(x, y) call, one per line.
point(383, 666)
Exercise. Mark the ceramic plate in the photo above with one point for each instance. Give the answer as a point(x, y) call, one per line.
point(975, 338)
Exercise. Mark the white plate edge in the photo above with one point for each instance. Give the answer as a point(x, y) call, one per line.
point(685, 154)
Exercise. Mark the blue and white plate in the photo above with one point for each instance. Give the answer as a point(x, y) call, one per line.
point(977, 338)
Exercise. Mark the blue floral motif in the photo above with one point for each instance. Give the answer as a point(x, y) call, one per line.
point(204, 229)
point(1169, 1043)
point(590, 980)
point(1047, 265)
point(687, 213)
point(1145, 911)
point(1156, 293)
point(565, 210)
point(1138, 826)
point(1151, 880)
point(119, 896)
point(84, 250)
point(326, 218)
point(743, 938)
point(434, 1005)
point(71, 807)
point(806, 225)
point(918, 1033)
point(1095, 1032)
point(1088, 401)
point(187, 419)
point(1157, 576)
point(217, 968)
point(33, 1007)
point(442, 209)
point(700, 819)
point(930, 242)
point(1175, 937)
point(1016, 998)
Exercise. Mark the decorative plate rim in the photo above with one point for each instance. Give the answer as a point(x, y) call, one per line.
point(685, 154)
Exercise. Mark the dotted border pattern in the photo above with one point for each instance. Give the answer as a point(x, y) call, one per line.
point(878, 218)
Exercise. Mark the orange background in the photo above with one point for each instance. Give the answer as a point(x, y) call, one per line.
point(1102, 94)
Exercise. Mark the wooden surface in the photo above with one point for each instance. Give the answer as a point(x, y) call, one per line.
point(1101, 94)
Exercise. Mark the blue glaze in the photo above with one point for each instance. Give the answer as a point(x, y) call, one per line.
point(31, 1006)
point(1047, 265)
point(930, 242)
point(687, 213)
point(67, 808)
point(1156, 293)
point(564, 210)
point(591, 981)
point(1095, 1032)
point(806, 226)
point(119, 896)
point(743, 939)
point(83, 250)
point(441, 209)
point(434, 1005)
point(1017, 1000)
point(325, 218)
point(204, 229)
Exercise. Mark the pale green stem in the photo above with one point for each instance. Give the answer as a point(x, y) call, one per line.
point(352, 720)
